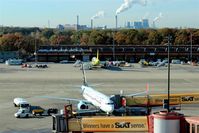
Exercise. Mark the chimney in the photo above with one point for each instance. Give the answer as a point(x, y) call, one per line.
point(48, 23)
point(116, 21)
point(154, 24)
point(77, 22)
point(91, 23)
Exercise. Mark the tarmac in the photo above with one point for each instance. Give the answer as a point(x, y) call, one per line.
point(64, 80)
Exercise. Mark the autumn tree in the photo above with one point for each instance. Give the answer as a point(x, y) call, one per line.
point(97, 37)
point(195, 37)
point(120, 37)
point(182, 37)
point(9, 42)
point(84, 39)
point(154, 38)
point(47, 33)
point(131, 36)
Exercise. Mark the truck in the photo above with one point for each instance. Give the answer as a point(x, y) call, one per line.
point(21, 103)
point(29, 111)
point(33, 111)
point(14, 62)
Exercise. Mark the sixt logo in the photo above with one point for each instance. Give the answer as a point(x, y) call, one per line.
point(186, 99)
point(122, 125)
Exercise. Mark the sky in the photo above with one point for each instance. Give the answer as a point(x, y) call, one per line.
point(31, 13)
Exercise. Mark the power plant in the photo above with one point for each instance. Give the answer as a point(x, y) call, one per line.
point(144, 24)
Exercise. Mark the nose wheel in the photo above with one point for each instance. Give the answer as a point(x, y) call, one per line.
point(108, 114)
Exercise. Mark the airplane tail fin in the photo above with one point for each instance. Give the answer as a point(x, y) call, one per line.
point(84, 76)
point(98, 54)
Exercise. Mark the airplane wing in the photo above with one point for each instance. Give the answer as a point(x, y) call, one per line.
point(146, 92)
point(66, 99)
point(136, 94)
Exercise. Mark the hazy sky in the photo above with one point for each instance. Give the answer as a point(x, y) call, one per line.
point(29, 13)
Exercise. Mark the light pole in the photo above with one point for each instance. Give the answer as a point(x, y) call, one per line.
point(168, 102)
point(35, 53)
point(2, 32)
point(113, 46)
point(191, 47)
point(35, 36)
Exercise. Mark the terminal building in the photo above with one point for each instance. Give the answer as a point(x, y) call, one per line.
point(109, 52)
point(5, 55)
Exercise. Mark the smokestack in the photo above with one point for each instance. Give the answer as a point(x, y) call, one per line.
point(48, 23)
point(154, 24)
point(91, 23)
point(77, 22)
point(116, 21)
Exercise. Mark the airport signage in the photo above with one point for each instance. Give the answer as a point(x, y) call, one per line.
point(112, 124)
point(190, 99)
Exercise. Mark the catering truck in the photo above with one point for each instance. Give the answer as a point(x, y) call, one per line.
point(21, 103)
point(30, 111)
point(33, 111)
point(27, 110)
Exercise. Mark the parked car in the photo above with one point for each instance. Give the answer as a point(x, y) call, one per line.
point(1, 60)
point(64, 61)
point(41, 66)
point(176, 61)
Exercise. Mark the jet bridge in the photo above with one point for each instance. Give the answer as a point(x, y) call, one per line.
point(157, 99)
point(70, 123)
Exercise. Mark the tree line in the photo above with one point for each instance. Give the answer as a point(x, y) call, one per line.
point(24, 39)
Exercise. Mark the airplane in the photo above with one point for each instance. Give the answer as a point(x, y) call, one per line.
point(93, 97)
point(95, 60)
point(94, 63)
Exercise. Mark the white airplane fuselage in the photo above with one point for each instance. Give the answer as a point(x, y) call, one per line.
point(98, 99)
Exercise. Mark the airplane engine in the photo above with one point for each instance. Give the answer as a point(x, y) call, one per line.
point(82, 106)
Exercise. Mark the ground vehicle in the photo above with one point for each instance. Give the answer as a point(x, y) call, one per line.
point(52, 111)
point(41, 66)
point(31, 110)
point(64, 61)
point(143, 62)
point(22, 112)
point(20, 102)
point(14, 62)
point(36, 110)
point(176, 61)
point(1, 60)
point(26, 66)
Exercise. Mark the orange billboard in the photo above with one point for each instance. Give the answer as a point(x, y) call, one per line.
point(115, 124)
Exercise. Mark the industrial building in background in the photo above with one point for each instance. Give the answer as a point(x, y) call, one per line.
point(72, 27)
point(144, 24)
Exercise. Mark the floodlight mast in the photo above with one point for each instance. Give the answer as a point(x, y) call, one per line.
point(168, 102)
point(191, 39)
